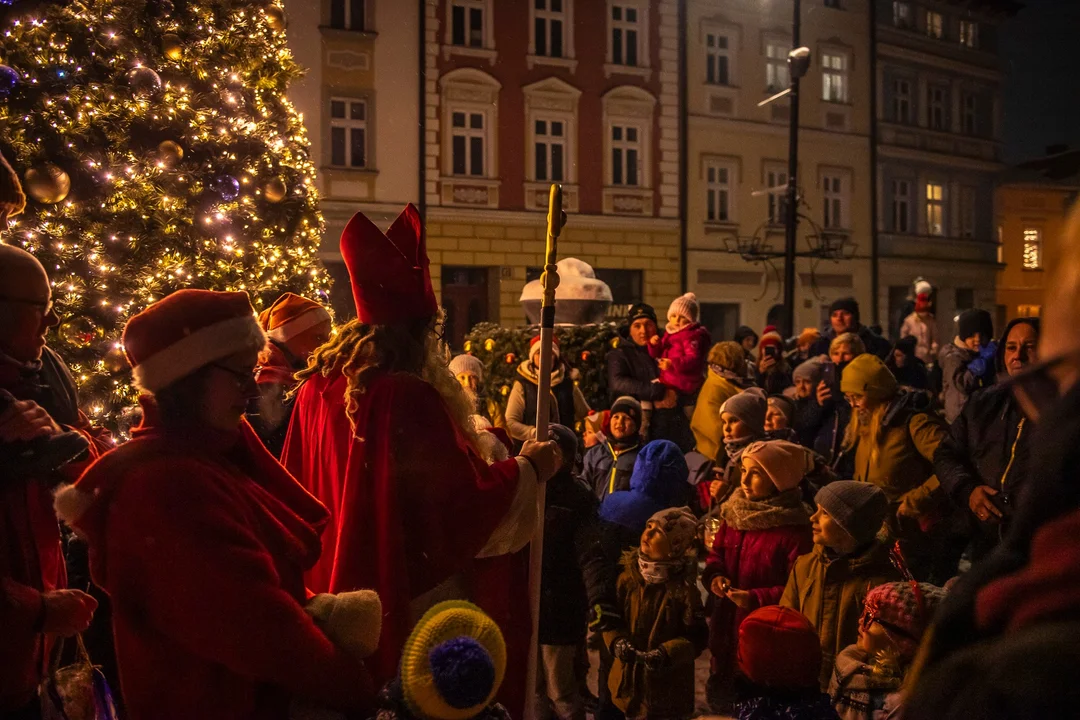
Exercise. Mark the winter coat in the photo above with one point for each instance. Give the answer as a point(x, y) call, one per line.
point(607, 469)
point(821, 428)
point(776, 380)
point(913, 375)
point(829, 590)
point(875, 344)
point(201, 538)
point(924, 330)
point(989, 443)
point(568, 406)
point(631, 371)
point(959, 382)
point(756, 554)
point(31, 559)
point(708, 431)
point(901, 461)
point(665, 616)
point(659, 481)
point(688, 350)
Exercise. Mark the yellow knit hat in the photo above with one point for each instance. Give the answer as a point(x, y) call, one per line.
point(453, 662)
point(867, 375)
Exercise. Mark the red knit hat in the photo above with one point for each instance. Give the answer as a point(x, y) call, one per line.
point(391, 281)
point(771, 336)
point(291, 315)
point(188, 330)
point(922, 302)
point(779, 648)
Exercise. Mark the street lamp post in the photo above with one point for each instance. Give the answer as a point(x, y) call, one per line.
point(795, 64)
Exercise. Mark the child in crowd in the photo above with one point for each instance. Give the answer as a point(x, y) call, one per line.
point(868, 676)
point(922, 325)
point(779, 419)
point(665, 629)
point(828, 584)
point(609, 465)
point(742, 418)
point(779, 665)
point(771, 371)
point(682, 352)
point(568, 406)
point(451, 668)
point(765, 526)
point(659, 480)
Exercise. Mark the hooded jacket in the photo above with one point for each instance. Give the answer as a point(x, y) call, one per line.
point(958, 382)
point(659, 481)
point(608, 468)
point(706, 425)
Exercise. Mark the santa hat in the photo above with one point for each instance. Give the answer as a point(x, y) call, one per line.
point(391, 281)
point(923, 287)
point(291, 315)
point(188, 330)
point(534, 349)
point(771, 336)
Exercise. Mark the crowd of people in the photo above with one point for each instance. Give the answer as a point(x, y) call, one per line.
point(317, 522)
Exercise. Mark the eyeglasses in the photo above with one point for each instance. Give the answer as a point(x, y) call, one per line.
point(45, 306)
point(245, 379)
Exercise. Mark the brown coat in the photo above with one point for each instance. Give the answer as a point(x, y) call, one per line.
point(830, 591)
point(669, 617)
point(708, 431)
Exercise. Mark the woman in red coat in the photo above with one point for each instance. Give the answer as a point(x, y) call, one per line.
point(765, 528)
point(201, 538)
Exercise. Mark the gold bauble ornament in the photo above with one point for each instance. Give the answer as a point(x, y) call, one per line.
point(80, 331)
point(115, 360)
point(275, 189)
point(468, 345)
point(169, 153)
point(47, 183)
point(489, 344)
point(275, 18)
point(171, 46)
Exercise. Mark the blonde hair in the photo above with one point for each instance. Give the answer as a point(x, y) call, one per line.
point(853, 341)
point(869, 431)
point(359, 351)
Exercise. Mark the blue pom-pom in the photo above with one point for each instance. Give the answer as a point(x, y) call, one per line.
point(462, 671)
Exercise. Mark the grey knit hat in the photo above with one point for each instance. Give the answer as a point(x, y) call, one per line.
point(467, 364)
point(750, 407)
point(810, 369)
point(628, 405)
point(858, 507)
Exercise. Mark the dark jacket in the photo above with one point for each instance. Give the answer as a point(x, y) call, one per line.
point(875, 344)
point(608, 469)
point(631, 371)
point(959, 382)
point(776, 381)
point(821, 428)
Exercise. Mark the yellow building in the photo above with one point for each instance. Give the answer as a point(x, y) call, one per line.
point(1033, 201)
point(737, 152)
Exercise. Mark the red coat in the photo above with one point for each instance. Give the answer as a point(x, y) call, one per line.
point(755, 560)
point(411, 502)
point(688, 351)
point(201, 538)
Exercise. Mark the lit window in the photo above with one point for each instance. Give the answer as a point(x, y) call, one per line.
point(935, 25)
point(1033, 257)
point(901, 205)
point(467, 23)
point(935, 209)
point(348, 133)
point(969, 114)
point(938, 101)
point(347, 14)
point(902, 101)
point(776, 178)
point(626, 33)
point(834, 77)
point(776, 66)
point(717, 58)
point(967, 212)
point(549, 21)
point(468, 138)
point(901, 15)
point(1028, 310)
point(718, 192)
point(833, 191)
point(969, 34)
point(625, 155)
point(549, 143)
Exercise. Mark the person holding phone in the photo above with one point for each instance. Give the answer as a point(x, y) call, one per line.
point(772, 371)
point(826, 418)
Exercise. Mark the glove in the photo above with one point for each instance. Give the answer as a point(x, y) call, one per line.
point(352, 620)
point(604, 617)
point(983, 364)
point(624, 650)
point(654, 659)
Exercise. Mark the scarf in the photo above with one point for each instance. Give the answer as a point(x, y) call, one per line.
point(529, 371)
point(741, 513)
point(735, 447)
point(862, 686)
point(658, 572)
point(730, 375)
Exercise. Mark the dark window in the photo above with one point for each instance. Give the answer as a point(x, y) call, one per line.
point(476, 27)
point(337, 146)
point(459, 154)
point(965, 299)
point(476, 156)
point(457, 25)
point(631, 48)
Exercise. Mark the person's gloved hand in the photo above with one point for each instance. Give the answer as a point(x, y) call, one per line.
point(654, 659)
point(604, 617)
point(983, 364)
point(352, 620)
point(624, 650)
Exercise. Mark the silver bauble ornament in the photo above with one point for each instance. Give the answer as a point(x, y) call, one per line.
point(80, 331)
point(169, 153)
point(275, 18)
point(144, 80)
point(275, 189)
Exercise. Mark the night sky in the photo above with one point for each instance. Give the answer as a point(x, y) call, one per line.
point(1040, 54)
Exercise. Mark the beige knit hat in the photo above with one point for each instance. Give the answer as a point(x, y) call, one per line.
point(685, 306)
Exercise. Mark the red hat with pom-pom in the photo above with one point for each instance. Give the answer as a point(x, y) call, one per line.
point(391, 280)
point(779, 648)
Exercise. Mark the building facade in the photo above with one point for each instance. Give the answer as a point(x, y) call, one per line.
point(1033, 202)
point(737, 157)
point(938, 152)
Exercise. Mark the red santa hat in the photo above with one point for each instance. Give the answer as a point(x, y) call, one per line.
point(771, 336)
point(291, 315)
point(188, 330)
point(534, 349)
point(391, 280)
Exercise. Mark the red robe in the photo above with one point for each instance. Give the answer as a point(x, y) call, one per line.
point(411, 502)
point(201, 539)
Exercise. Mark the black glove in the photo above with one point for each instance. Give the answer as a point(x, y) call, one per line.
point(654, 659)
point(624, 650)
point(604, 617)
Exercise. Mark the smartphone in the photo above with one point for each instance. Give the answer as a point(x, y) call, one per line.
point(772, 351)
point(831, 377)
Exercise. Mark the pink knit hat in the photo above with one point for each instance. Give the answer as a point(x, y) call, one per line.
point(783, 462)
point(685, 306)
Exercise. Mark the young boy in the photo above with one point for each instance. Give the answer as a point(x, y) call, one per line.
point(828, 584)
point(609, 465)
point(665, 629)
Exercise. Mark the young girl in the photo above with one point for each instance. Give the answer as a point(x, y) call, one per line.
point(653, 672)
point(742, 419)
point(765, 527)
point(683, 351)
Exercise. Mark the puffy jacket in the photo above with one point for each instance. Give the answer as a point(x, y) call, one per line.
point(659, 481)
point(875, 344)
point(830, 590)
point(688, 351)
point(631, 371)
point(608, 469)
point(958, 381)
point(924, 330)
point(705, 424)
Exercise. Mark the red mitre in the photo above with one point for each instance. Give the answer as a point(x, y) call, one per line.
point(391, 282)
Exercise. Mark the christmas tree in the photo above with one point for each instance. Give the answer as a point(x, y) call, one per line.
point(157, 151)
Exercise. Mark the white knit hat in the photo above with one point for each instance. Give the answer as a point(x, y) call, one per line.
point(467, 364)
point(685, 306)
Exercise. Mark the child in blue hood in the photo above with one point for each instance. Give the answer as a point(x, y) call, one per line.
point(659, 481)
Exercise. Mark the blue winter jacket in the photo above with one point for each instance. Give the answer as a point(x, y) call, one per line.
point(658, 482)
point(608, 469)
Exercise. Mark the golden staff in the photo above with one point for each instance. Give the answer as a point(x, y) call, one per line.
point(556, 218)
